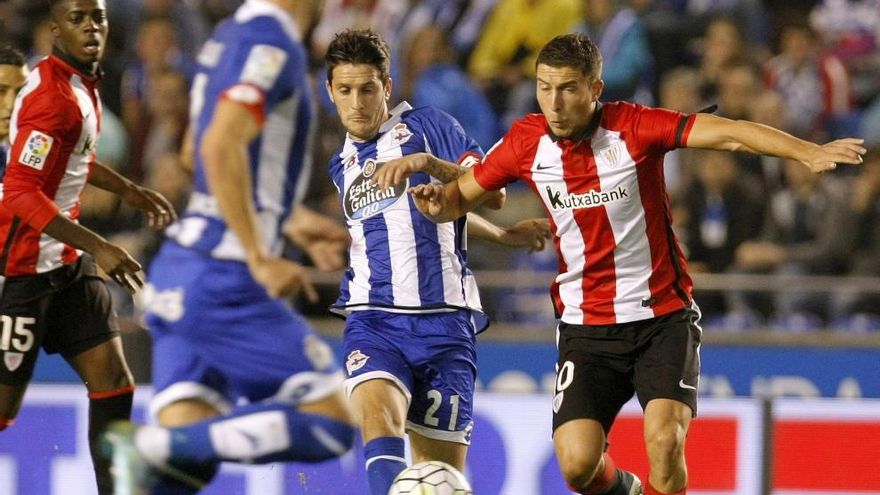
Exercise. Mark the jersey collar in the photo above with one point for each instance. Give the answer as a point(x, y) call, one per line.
point(72, 65)
point(587, 133)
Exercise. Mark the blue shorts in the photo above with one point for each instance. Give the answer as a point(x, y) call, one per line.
point(220, 338)
point(431, 357)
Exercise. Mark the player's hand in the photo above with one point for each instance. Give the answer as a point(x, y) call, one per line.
point(396, 171)
point(826, 157)
point(430, 199)
point(532, 233)
point(160, 212)
point(119, 266)
point(282, 278)
point(321, 237)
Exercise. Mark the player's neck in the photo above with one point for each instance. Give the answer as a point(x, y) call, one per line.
point(91, 70)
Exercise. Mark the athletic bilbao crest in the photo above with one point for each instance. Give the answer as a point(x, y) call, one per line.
point(364, 199)
point(12, 360)
point(612, 156)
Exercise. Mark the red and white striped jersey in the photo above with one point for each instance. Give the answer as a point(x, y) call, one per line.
point(53, 131)
point(605, 194)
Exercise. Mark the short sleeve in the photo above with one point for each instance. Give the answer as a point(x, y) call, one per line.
point(500, 165)
point(662, 129)
point(256, 72)
point(447, 139)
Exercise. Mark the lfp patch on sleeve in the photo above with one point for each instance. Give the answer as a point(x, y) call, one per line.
point(36, 150)
point(263, 65)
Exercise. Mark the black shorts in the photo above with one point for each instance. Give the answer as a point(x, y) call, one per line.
point(67, 310)
point(600, 367)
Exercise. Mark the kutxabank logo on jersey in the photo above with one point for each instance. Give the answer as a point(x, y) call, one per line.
point(364, 199)
point(559, 200)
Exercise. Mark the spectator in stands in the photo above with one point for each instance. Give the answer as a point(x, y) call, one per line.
point(814, 86)
point(864, 206)
point(503, 62)
point(723, 45)
point(679, 90)
point(808, 230)
point(157, 47)
point(430, 78)
point(725, 209)
point(166, 107)
point(461, 20)
point(622, 39)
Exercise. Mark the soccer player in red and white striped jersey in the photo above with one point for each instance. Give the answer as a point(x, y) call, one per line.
point(623, 294)
point(52, 296)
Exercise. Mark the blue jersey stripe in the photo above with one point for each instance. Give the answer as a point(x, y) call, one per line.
point(379, 260)
point(428, 256)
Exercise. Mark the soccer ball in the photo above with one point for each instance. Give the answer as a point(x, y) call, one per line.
point(430, 478)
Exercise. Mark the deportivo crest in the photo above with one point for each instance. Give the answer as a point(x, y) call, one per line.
point(363, 199)
point(12, 360)
point(400, 134)
point(356, 360)
point(36, 149)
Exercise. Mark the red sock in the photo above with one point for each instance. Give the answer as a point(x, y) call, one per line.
point(650, 490)
point(602, 480)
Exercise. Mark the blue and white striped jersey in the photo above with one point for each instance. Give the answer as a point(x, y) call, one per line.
point(257, 59)
point(400, 260)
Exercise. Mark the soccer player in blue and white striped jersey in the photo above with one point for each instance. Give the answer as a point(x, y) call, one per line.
point(216, 283)
point(411, 302)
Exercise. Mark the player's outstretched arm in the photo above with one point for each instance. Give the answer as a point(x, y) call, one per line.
point(397, 170)
point(446, 203)
point(531, 233)
point(712, 132)
point(224, 153)
point(160, 213)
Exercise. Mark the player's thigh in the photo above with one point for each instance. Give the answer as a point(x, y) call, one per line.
point(430, 449)
point(444, 370)
point(669, 367)
point(380, 407)
point(103, 367)
point(375, 362)
point(185, 412)
point(593, 375)
point(84, 330)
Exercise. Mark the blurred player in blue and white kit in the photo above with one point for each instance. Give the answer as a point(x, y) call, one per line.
point(221, 336)
point(411, 302)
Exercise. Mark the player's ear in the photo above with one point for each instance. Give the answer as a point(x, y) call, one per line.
point(329, 88)
point(388, 85)
point(597, 86)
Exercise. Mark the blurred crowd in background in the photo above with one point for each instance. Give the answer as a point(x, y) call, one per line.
point(809, 67)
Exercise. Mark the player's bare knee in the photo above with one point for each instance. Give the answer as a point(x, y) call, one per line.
point(578, 466)
point(665, 445)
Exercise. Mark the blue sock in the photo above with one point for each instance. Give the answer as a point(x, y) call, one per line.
point(385, 460)
point(261, 434)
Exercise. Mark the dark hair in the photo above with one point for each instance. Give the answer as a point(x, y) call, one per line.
point(11, 56)
point(359, 46)
point(575, 50)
